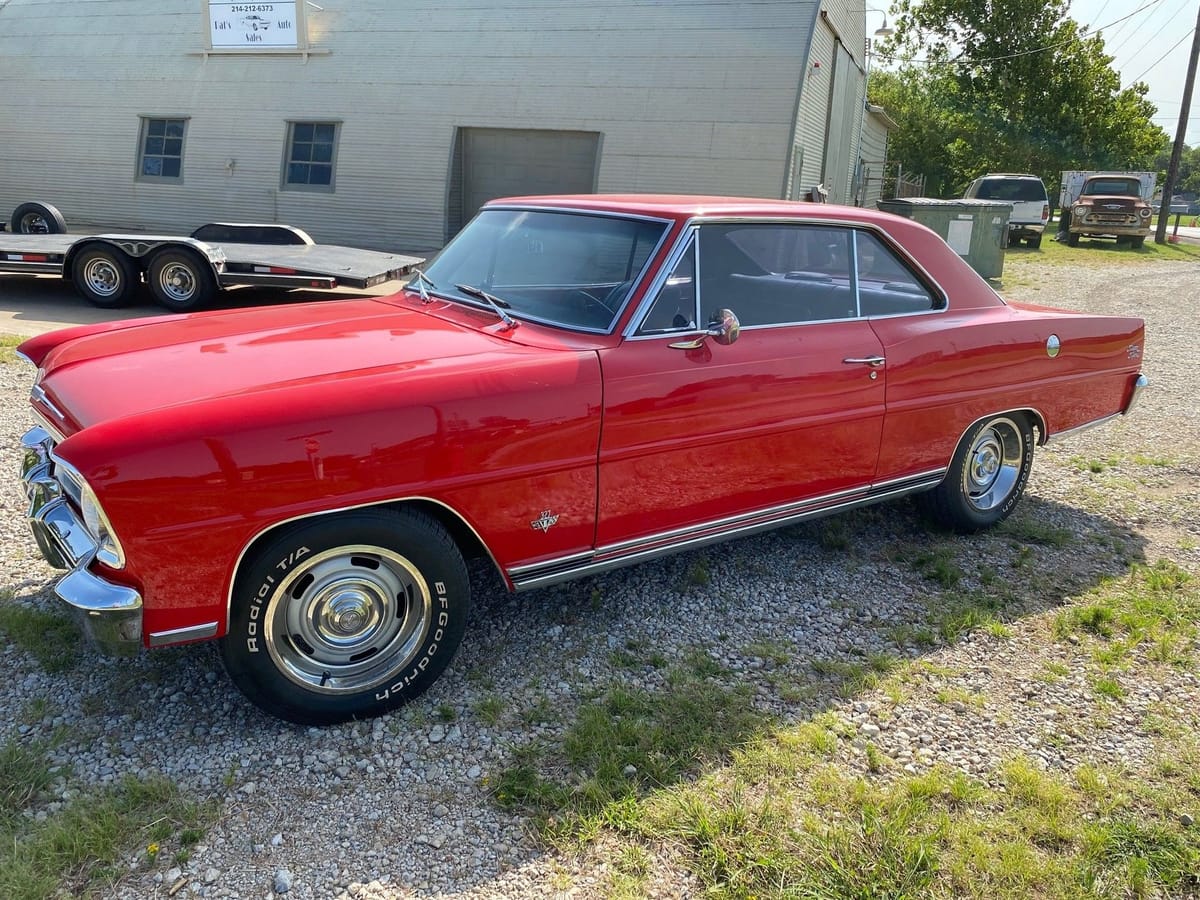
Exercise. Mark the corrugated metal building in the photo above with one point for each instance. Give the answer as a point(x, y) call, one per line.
point(386, 124)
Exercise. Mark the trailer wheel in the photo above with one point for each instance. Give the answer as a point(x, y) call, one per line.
point(105, 276)
point(38, 218)
point(180, 281)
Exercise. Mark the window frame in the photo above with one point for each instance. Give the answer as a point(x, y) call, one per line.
point(288, 145)
point(144, 123)
point(633, 331)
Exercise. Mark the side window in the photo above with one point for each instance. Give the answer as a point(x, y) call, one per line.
point(160, 149)
point(886, 286)
point(310, 156)
point(675, 307)
point(777, 274)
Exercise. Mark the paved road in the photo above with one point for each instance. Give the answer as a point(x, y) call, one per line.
point(34, 304)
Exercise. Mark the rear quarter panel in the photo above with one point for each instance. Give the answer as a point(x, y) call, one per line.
point(946, 371)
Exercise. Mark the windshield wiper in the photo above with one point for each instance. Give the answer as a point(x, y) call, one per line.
point(495, 302)
point(423, 281)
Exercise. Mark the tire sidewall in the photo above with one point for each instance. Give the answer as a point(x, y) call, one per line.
point(201, 275)
point(248, 657)
point(122, 265)
point(971, 516)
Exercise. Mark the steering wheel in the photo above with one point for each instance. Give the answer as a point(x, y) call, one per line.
point(592, 298)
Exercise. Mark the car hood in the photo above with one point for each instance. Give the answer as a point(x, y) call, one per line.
point(99, 373)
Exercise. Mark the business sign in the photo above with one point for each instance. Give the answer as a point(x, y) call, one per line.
point(254, 26)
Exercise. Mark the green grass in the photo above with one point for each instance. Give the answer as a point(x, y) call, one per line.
point(814, 831)
point(624, 745)
point(1095, 252)
point(8, 348)
point(1156, 605)
point(77, 847)
point(52, 639)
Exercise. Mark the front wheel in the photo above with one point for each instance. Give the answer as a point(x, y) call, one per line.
point(1137, 242)
point(986, 477)
point(347, 617)
point(1072, 240)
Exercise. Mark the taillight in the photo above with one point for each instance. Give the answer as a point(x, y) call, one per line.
point(1045, 212)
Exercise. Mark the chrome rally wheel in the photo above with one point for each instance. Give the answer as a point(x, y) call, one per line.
point(346, 616)
point(347, 619)
point(993, 465)
point(986, 476)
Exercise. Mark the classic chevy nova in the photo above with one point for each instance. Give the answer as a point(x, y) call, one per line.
point(574, 384)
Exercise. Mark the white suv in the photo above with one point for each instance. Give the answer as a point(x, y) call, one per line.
point(1026, 193)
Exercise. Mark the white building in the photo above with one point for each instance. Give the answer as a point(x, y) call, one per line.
point(387, 124)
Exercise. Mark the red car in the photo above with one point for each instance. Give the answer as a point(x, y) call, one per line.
point(574, 384)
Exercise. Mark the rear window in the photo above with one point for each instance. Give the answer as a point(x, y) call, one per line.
point(1014, 190)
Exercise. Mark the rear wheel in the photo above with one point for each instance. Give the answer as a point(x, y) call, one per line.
point(986, 477)
point(105, 276)
point(181, 281)
point(38, 218)
point(1034, 242)
point(347, 617)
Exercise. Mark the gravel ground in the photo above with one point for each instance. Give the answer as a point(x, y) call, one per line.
point(399, 807)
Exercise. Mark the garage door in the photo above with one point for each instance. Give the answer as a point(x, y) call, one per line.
point(505, 162)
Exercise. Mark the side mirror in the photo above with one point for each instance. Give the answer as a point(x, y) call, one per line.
point(723, 329)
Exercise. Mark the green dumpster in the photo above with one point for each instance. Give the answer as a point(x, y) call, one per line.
point(977, 230)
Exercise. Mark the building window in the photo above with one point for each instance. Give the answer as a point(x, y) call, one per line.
point(311, 155)
point(160, 153)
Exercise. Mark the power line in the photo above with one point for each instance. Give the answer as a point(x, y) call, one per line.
point(1125, 39)
point(1165, 55)
point(1169, 21)
point(989, 59)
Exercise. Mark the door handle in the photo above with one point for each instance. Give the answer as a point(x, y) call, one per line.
point(873, 361)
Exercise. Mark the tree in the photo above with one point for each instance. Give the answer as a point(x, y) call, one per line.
point(1010, 86)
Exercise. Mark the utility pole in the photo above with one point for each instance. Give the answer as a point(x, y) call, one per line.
point(1160, 234)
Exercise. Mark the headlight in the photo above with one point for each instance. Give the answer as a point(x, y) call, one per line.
point(108, 548)
point(1082, 210)
point(1144, 212)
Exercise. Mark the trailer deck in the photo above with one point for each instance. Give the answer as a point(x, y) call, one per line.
point(184, 273)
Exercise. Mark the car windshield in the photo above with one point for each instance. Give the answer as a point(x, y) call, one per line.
point(1118, 187)
point(562, 268)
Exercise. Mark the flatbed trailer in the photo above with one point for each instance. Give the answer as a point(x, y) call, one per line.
point(185, 273)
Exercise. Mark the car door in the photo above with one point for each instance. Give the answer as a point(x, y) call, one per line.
point(701, 437)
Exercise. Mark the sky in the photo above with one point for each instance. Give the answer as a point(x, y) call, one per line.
point(1149, 41)
point(1151, 45)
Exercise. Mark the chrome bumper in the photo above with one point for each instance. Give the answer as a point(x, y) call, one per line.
point(109, 614)
point(1139, 385)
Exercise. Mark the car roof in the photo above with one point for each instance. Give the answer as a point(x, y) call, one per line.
point(687, 206)
point(1009, 175)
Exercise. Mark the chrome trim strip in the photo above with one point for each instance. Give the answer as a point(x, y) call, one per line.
point(1139, 385)
point(38, 393)
point(682, 243)
point(558, 561)
point(1086, 426)
point(23, 356)
point(341, 509)
point(782, 509)
point(534, 580)
point(179, 635)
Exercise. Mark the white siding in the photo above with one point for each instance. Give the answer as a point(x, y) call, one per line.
point(695, 96)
